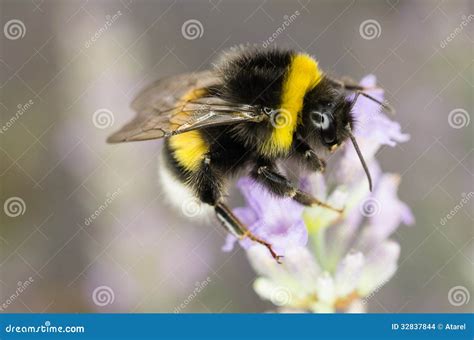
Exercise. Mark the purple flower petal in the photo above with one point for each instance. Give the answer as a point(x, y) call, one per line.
point(374, 125)
point(246, 215)
point(386, 212)
point(276, 220)
point(348, 273)
point(381, 264)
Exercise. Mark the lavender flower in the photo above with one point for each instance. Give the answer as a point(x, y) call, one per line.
point(346, 262)
point(276, 220)
point(350, 256)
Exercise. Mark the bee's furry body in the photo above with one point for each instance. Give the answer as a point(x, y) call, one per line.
point(257, 79)
point(218, 123)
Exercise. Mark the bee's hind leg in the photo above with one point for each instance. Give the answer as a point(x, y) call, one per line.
point(268, 176)
point(210, 190)
point(232, 224)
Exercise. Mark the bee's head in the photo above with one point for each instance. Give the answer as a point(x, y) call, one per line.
point(328, 120)
point(327, 117)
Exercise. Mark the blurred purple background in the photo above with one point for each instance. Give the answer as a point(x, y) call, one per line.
point(63, 65)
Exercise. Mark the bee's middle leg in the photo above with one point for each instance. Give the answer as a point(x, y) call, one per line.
point(268, 176)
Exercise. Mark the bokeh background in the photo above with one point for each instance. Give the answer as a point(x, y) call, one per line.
point(69, 70)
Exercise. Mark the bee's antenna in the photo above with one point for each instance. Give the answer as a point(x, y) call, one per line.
point(352, 86)
point(386, 106)
point(361, 158)
point(355, 100)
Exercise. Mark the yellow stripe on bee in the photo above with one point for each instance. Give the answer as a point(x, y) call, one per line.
point(190, 147)
point(303, 75)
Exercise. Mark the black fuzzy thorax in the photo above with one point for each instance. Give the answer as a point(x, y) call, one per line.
point(255, 77)
point(250, 77)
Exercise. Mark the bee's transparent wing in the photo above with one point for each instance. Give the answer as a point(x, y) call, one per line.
point(162, 113)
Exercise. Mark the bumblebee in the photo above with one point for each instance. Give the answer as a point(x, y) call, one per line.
point(254, 108)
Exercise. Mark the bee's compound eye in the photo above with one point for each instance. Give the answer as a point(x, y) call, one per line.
point(329, 136)
point(321, 120)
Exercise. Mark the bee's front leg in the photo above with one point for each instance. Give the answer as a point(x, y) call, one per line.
point(309, 158)
point(267, 174)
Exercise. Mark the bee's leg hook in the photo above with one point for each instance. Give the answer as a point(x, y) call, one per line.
point(232, 224)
